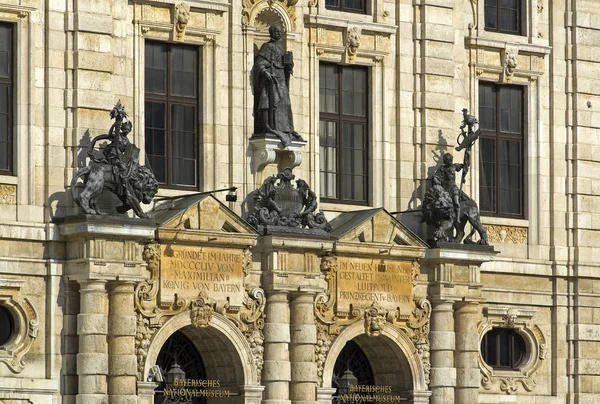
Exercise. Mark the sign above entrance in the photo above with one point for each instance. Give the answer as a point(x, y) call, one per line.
point(188, 271)
point(362, 282)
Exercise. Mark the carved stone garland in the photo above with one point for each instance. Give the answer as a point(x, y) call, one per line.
point(330, 323)
point(150, 317)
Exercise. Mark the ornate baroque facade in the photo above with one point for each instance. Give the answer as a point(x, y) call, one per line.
point(89, 305)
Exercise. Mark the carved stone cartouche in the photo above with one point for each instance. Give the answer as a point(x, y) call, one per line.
point(118, 170)
point(281, 208)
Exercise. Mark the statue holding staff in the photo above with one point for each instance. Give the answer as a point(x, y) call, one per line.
point(270, 83)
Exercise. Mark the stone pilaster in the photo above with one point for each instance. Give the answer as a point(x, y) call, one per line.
point(92, 328)
point(302, 349)
point(145, 392)
point(276, 370)
point(121, 344)
point(467, 347)
point(441, 337)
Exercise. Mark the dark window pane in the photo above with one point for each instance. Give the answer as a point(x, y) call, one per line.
point(183, 74)
point(491, 17)
point(155, 138)
point(487, 177)
point(487, 106)
point(328, 88)
point(7, 327)
point(353, 4)
point(184, 162)
point(328, 158)
point(510, 177)
point(155, 69)
point(503, 348)
point(332, 3)
point(509, 21)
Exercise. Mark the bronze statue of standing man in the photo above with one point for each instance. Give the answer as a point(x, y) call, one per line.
point(270, 82)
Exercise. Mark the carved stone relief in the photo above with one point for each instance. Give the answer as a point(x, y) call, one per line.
point(353, 35)
point(285, 9)
point(249, 317)
point(8, 194)
point(507, 234)
point(182, 17)
point(510, 55)
point(505, 381)
point(27, 321)
point(331, 321)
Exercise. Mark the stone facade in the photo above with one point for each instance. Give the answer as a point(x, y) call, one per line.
point(90, 317)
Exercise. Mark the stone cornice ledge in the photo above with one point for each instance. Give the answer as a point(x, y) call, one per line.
point(471, 42)
point(319, 20)
point(198, 4)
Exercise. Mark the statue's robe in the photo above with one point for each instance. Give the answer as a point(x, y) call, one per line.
point(272, 95)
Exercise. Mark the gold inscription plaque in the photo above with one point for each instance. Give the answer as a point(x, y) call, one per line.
point(188, 271)
point(361, 282)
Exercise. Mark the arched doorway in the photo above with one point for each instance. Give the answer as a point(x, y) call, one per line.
point(388, 362)
point(179, 353)
point(216, 352)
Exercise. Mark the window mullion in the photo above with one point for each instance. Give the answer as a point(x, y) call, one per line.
point(339, 174)
point(168, 133)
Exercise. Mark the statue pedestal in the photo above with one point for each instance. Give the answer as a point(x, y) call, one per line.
point(268, 150)
point(455, 292)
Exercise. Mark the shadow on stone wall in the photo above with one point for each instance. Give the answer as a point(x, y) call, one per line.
point(412, 220)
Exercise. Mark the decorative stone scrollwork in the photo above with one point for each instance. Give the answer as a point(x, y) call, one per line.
point(182, 17)
point(26, 320)
point(353, 35)
point(473, 25)
point(509, 381)
point(331, 321)
point(150, 316)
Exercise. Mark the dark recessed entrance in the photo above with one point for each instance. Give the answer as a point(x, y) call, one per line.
point(181, 351)
point(351, 363)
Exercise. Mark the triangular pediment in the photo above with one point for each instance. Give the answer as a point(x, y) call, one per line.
point(204, 212)
point(373, 226)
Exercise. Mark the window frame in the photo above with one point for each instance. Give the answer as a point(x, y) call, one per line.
point(344, 9)
point(511, 334)
point(169, 100)
point(521, 19)
point(10, 83)
point(340, 119)
point(498, 136)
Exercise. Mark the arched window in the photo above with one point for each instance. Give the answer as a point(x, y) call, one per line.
point(7, 326)
point(503, 348)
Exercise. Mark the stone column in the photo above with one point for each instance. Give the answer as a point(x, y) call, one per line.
point(92, 328)
point(276, 370)
point(303, 385)
point(121, 344)
point(441, 336)
point(467, 346)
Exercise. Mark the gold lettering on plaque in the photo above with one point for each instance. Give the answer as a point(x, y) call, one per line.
point(189, 271)
point(362, 282)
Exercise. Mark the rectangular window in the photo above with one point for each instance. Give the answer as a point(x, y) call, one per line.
point(343, 133)
point(353, 6)
point(503, 16)
point(501, 150)
point(6, 91)
point(171, 113)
